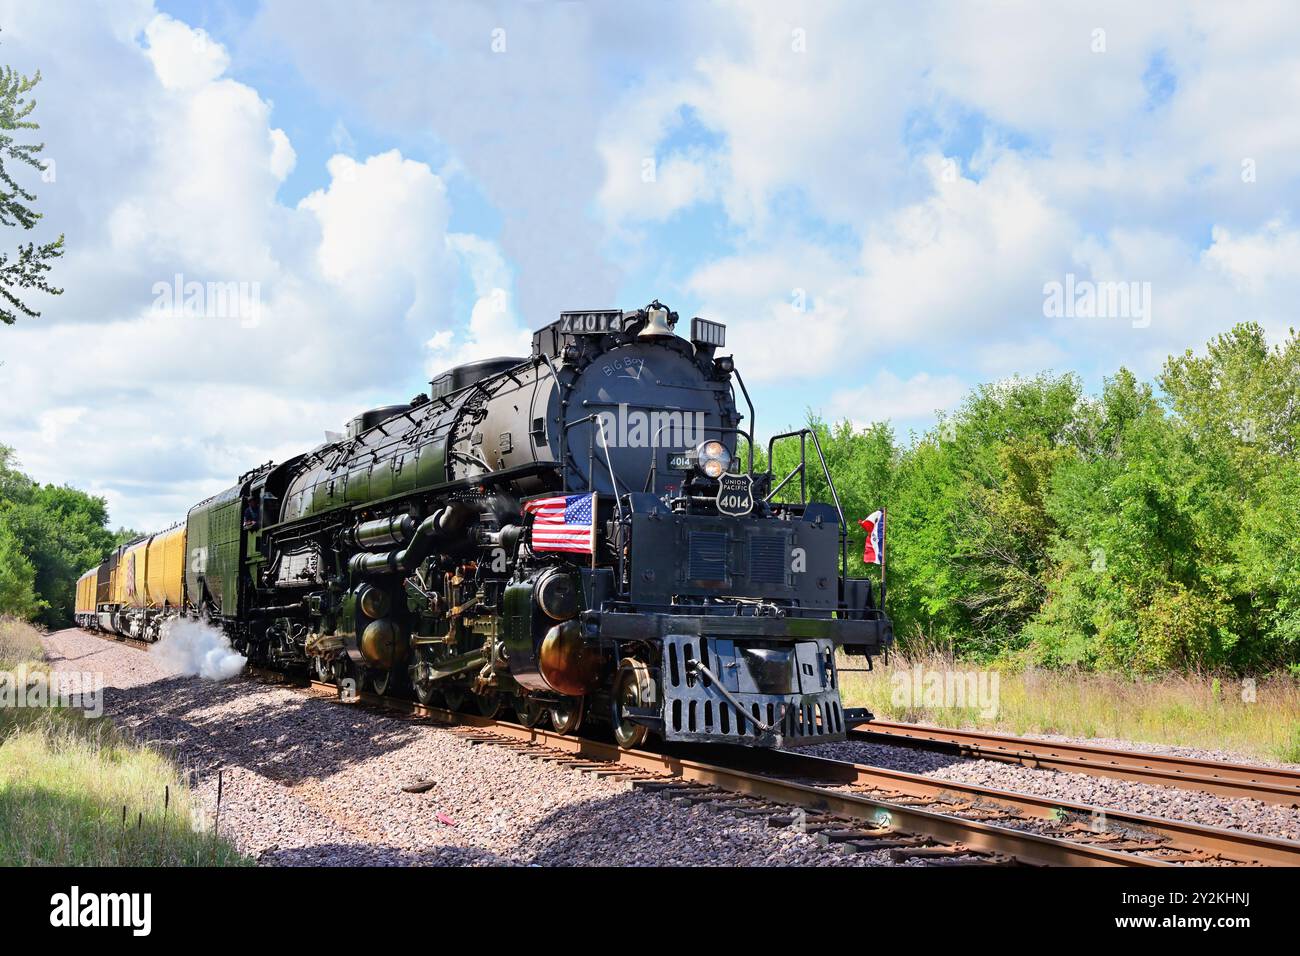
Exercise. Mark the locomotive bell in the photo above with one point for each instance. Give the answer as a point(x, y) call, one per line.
point(569, 665)
point(656, 326)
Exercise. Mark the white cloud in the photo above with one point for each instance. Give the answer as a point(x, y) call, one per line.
point(494, 328)
point(184, 57)
point(348, 283)
point(522, 118)
point(1256, 262)
point(1105, 155)
point(383, 238)
point(911, 401)
point(964, 264)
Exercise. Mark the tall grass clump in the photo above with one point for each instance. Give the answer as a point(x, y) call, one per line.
point(76, 791)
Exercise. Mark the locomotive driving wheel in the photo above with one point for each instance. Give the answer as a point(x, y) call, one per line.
point(633, 687)
point(489, 704)
point(530, 712)
point(566, 714)
point(424, 691)
point(322, 670)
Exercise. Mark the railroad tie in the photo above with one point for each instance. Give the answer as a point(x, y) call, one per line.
point(929, 852)
point(659, 785)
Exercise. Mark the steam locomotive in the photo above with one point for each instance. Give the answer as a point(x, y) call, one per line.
point(570, 533)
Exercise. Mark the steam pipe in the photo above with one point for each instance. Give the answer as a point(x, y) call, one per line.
point(382, 532)
point(442, 527)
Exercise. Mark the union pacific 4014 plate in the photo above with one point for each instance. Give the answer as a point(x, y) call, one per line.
point(735, 495)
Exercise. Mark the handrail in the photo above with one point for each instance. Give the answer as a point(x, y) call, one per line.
point(591, 456)
point(752, 425)
point(564, 430)
point(802, 470)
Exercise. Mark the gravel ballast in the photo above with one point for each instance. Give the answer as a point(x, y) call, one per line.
point(1194, 806)
point(306, 781)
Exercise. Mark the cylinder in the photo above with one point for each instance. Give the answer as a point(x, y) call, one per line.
point(442, 529)
point(381, 533)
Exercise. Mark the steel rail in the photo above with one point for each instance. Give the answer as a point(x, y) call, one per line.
point(1182, 837)
point(1269, 784)
point(1024, 846)
point(855, 791)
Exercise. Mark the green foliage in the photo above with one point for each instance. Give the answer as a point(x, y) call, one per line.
point(17, 579)
point(30, 267)
point(1131, 531)
point(49, 535)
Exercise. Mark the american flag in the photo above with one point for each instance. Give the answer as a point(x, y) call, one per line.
point(563, 523)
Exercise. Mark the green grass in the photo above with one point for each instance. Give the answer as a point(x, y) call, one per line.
point(20, 643)
point(77, 792)
point(1189, 711)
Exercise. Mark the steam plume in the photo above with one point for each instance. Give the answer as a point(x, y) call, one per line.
point(192, 647)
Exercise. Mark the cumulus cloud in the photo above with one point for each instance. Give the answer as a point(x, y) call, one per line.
point(958, 267)
point(515, 95)
point(184, 57)
point(903, 402)
point(494, 328)
point(975, 154)
point(207, 325)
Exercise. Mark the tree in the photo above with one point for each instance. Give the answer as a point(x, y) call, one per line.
point(17, 579)
point(29, 268)
point(51, 535)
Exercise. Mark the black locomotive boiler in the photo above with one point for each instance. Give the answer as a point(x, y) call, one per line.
point(570, 533)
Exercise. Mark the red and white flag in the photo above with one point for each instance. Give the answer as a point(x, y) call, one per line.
point(874, 525)
point(563, 523)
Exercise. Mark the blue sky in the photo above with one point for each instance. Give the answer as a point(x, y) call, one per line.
point(874, 199)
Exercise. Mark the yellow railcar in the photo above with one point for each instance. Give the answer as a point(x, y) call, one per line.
point(114, 579)
point(85, 602)
point(128, 583)
point(145, 584)
point(165, 569)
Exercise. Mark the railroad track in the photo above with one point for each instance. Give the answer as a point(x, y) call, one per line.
point(1269, 784)
point(854, 807)
point(850, 807)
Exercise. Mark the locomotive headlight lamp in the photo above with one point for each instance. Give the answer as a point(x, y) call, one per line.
point(713, 458)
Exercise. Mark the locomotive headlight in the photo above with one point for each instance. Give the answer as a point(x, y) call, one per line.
point(714, 458)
